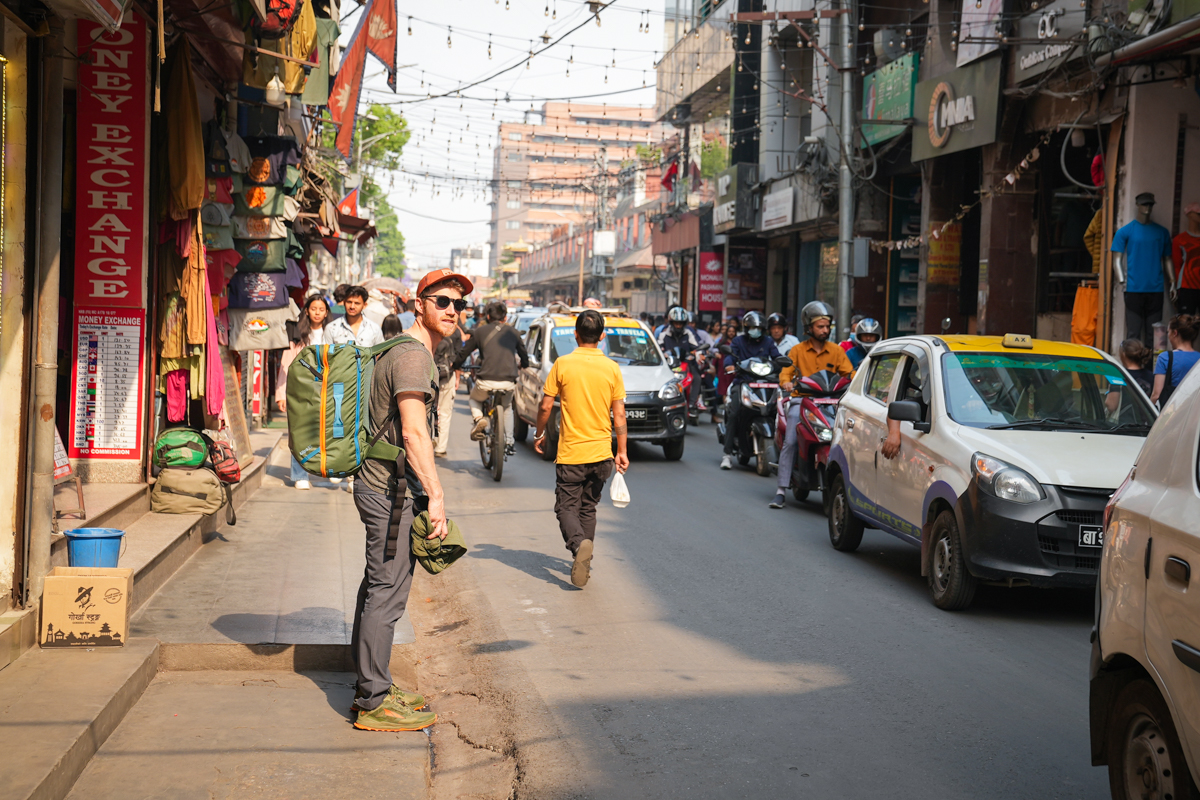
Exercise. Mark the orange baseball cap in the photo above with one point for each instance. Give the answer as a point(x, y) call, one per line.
point(443, 274)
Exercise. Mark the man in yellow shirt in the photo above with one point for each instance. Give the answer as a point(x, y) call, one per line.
point(589, 387)
point(814, 354)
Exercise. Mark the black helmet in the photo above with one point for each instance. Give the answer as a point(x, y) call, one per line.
point(813, 312)
point(776, 319)
point(752, 324)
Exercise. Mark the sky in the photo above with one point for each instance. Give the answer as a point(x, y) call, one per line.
point(456, 211)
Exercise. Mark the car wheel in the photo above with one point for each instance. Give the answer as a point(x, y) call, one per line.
point(845, 529)
point(520, 429)
point(1145, 759)
point(673, 449)
point(550, 448)
point(951, 585)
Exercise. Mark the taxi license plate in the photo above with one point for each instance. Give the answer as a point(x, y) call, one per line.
point(635, 413)
point(1091, 536)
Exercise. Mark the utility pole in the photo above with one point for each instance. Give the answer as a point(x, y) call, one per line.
point(602, 210)
point(846, 180)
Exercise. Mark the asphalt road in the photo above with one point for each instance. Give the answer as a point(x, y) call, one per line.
point(724, 649)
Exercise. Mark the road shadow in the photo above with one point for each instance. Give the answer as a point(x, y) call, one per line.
point(537, 565)
point(312, 625)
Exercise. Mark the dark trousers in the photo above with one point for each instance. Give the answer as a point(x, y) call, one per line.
point(1142, 310)
point(383, 594)
point(733, 410)
point(1188, 301)
point(577, 490)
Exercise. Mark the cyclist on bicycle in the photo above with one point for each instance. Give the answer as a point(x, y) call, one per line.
point(500, 348)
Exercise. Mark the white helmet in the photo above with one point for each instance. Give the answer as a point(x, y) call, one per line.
point(866, 327)
point(679, 314)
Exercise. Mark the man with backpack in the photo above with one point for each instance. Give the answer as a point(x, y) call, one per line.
point(389, 495)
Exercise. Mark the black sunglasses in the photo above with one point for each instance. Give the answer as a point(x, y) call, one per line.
point(444, 302)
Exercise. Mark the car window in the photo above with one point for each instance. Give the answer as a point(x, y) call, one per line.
point(914, 383)
point(880, 381)
point(1042, 392)
point(626, 346)
point(535, 343)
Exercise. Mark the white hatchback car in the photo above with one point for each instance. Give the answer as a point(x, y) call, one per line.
point(1010, 448)
point(1145, 669)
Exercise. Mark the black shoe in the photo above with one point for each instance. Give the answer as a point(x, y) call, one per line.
point(510, 449)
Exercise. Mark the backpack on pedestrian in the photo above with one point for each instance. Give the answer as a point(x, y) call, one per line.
point(330, 430)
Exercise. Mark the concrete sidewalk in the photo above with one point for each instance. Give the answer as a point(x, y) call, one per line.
point(257, 735)
point(282, 582)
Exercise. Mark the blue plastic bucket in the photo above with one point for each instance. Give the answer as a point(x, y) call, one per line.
point(94, 547)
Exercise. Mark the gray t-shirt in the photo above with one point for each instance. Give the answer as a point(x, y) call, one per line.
point(407, 367)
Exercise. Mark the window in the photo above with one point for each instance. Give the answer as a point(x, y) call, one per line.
point(882, 370)
point(514, 156)
point(513, 204)
point(513, 184)
point(535, 342)
point(915, 383)
point(513, 225)
point(626, 346)
point(514, 137)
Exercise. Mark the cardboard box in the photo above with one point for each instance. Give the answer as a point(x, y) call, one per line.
point(86, 607)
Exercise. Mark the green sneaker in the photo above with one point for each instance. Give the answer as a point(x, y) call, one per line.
point(394, 716)
point(411, 699)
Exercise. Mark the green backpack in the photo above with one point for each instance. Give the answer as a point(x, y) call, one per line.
point(330, 432)
point(180, 447)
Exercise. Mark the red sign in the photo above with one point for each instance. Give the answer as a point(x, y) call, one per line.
point(256, 381)
point(110, 197)
point(106, 405)
point(711, 283)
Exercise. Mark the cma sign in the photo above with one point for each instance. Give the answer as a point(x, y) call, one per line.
point(946, 112)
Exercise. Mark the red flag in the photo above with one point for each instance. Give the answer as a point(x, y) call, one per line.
point(382, 39)
point(349, 204)
point(668, 178)
point(347, 86)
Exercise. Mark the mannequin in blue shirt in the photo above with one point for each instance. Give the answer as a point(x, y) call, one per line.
point(1141, 258)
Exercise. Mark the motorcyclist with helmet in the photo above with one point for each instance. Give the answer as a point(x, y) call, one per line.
point(777, 327)
point(865, 334)
point(681, 340)
point(814, 354)
point(753, 343)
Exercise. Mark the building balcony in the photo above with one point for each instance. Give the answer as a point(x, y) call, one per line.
point(690, 74)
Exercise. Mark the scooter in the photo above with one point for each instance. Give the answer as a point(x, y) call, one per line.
point(758, 392)
point(818, 399)
point(686, 370)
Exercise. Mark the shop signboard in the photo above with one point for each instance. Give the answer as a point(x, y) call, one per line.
point(107, 381)
point(888, 94)
point(710, 282)
point(958, 110)
point(1049, 38)
point(945, 255)
point(111, 189)
point(734, 209)
point(980, 29)
point(777, 208)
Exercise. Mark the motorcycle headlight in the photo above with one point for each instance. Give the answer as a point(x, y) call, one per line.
point(670, 391)
point(819, 425)
point(760, 368)
point(1003, 480)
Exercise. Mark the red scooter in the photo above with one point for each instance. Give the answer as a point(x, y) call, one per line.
point(818, 399)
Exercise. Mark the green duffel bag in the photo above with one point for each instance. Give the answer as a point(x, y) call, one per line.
point(180, 447)
point(191, 491)
point(330, 430)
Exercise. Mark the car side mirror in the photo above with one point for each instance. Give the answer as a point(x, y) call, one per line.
point(908, 411)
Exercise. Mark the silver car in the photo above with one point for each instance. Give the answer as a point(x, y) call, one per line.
point(1145, 667)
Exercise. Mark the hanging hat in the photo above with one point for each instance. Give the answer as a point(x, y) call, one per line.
point(1144, 199)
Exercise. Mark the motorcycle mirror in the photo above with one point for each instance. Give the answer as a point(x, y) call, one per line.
point(946, 323)
point(726, 350)
point(671, 362)
point(782, 362)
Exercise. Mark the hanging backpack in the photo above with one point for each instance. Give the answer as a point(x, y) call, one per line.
point(330, 432)
point(281, 16)
point(180, 447)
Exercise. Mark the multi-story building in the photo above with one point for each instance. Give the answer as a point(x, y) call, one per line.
point(547, 174)
point(471, 260)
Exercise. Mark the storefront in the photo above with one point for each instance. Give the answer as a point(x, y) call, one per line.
point(734, 217)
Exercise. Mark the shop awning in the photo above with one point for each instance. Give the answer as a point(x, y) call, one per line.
point(361, 229)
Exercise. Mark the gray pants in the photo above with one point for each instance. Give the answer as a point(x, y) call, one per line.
point(787, 456)
point(383, 594)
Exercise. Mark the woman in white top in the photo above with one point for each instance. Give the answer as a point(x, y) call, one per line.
point(310, 329)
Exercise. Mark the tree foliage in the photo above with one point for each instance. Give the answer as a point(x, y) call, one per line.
point(714, 158)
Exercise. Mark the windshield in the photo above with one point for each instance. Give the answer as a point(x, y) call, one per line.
point(1039, 392)
point(629, 346)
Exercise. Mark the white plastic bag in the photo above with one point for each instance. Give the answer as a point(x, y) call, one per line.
point(618, 492)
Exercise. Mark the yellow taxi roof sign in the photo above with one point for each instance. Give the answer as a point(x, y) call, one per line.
point(1022, 341)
